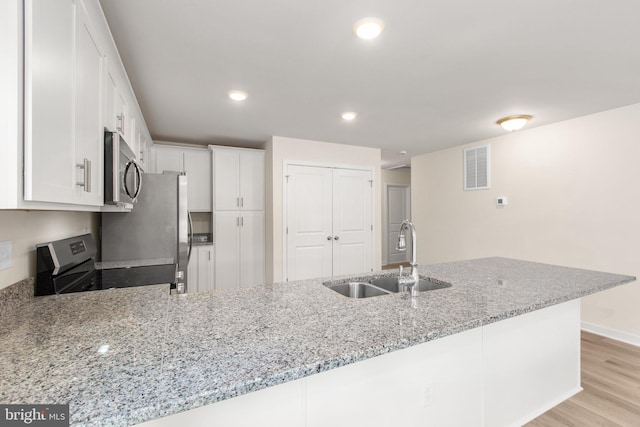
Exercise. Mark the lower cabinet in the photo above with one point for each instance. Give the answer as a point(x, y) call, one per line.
point(200, 273)
point(239, 237)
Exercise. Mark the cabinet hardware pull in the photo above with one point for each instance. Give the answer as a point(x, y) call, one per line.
point(329, 237)
point(336, 238)
point(238, 201)
point(120, 125)
point(242, 221)
point(242, 202)
point(86, 167)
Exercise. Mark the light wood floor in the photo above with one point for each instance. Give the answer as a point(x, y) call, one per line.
point(395, 265)
point(611, 382)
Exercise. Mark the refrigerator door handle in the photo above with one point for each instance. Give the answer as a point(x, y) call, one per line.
point(190, 237)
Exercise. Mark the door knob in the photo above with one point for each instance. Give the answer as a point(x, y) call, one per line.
point(336, 238)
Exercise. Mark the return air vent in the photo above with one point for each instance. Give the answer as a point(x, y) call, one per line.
point(476, 168)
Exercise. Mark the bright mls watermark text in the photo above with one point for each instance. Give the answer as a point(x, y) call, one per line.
point(34, 415)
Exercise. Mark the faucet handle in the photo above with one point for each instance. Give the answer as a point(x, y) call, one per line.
point(400, 273)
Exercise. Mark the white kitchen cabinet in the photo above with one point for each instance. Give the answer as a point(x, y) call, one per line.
point(168, 159)
point(89, 128)
point(62, 83)
point(143, 148)
point(200, 275)
point(63, 104)
point(196, 163)
point(238, 177)
point(239, 237)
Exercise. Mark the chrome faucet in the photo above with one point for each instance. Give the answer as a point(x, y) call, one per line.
point(402, 246)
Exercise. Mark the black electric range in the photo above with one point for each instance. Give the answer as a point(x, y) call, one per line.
point(68, 265)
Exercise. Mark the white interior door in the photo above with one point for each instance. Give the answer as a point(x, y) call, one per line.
point(309, 222)
point(329, 222)
point(352, 223)
point(397, 211)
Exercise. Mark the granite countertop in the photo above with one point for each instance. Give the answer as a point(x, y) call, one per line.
point(124, 356)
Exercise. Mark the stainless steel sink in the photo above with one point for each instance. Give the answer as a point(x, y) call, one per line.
point(391, 284)
point(380, 286)
point(358, 290)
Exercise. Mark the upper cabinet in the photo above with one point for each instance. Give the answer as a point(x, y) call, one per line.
point(196, 162)
point(72, 85)
point(64, 74)
point(239, 178)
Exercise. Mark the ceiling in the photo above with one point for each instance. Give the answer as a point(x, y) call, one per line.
point(440, 75)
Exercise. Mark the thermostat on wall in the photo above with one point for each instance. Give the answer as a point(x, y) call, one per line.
point(502, 201)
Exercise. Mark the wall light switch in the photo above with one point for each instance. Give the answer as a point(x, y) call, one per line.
point(502, 201)
point(5, 255)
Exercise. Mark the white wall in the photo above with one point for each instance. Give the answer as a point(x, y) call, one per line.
point(388, 177)
point(573, 199)
point(27, 228)
point(279, 150)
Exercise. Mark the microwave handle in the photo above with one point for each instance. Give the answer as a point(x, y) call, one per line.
point(138, 180)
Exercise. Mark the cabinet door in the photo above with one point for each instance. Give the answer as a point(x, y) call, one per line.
point(111, 113)
point(49, 152)
point(251, 248)
point(197, 163)
point(205, 269)
point(143, 149)
point(169, 159)
point(252, 180)
point(193, 279)
point(226, 236)
point(226, 164)
point(89, 77)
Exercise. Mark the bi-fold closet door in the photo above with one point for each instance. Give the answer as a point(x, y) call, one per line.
point(329, 225)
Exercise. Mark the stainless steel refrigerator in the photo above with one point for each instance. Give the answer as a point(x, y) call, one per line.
point(158, 228)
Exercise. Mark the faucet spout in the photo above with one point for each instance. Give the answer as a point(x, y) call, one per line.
point(406, 224)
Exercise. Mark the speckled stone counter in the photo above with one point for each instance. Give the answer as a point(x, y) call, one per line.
point(125, 356)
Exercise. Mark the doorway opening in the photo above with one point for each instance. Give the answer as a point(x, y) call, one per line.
point(397, 208)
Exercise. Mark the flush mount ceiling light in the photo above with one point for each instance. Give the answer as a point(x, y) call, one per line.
point(238, 95)
point(368, 28)
point(349, 115)
point(513, 123)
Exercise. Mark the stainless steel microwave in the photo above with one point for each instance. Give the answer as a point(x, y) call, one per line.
point(122, 174)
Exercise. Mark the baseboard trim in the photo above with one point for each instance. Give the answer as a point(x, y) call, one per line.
point(544, 408)
point(611, 333)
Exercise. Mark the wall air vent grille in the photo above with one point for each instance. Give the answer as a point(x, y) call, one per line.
point(476, 168)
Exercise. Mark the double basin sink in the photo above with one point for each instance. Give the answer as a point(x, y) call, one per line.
point(377, 286)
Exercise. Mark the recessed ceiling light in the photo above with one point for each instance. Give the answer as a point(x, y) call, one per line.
point(368, 28)
point(238, 95)
point(513, 123)
point(349, 115)
point(403, 152)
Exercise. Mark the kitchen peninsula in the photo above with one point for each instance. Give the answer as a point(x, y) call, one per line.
point(495, 348)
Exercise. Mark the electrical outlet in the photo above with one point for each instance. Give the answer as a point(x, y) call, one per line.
point(427, 393)
point(5, 255)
